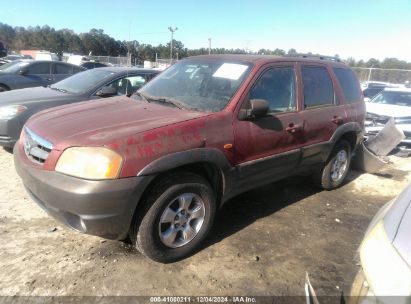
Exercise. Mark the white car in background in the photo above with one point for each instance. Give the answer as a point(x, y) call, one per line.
point(391, 102)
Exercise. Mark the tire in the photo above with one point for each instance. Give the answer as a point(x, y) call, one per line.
point(8, 149)
point(3, 88)
point(335, 170)
point(166, 228)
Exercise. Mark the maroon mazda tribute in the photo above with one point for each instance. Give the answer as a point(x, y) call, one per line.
point(156, 167)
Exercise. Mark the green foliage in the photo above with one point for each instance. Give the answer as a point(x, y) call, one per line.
point(98, 43)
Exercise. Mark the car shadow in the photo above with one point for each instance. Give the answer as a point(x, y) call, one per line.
point(243, 210)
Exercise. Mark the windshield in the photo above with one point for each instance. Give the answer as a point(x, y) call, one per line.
point(198, 84)
point(83, 81)
point(394, 98)
point(13, 67)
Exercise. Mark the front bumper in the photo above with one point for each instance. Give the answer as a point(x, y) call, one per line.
point(372, 129)
point(10, 130)
point(103, 208)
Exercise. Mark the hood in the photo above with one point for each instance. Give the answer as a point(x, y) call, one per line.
point(397, 224)
point(402, 240)
point(98, 123)
point(31, 95)
point(388, 110)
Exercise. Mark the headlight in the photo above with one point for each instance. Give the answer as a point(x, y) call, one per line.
point(90, 163)
point(8, 112)
point(403, 120)
point(386, 272)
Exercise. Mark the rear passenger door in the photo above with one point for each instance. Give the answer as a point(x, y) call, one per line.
point(321, 110)
point(38, 74)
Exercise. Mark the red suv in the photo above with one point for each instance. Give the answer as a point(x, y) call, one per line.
point(154, 168)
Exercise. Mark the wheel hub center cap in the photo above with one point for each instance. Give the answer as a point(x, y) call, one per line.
point(181, 219)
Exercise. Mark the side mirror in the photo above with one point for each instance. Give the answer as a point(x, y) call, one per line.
point(22, 72)
point(106, 92)
point(258, 108)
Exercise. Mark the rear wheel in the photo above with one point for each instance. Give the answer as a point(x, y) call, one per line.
point(333, 174)
point(175, 218)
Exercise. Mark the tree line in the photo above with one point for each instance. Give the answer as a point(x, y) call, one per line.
point(98, 43)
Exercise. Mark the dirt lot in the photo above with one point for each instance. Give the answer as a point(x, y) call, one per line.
point(263, 243)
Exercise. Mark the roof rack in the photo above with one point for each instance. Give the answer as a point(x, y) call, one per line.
point(321, 57)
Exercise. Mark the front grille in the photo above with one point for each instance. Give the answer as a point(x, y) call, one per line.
point(377, 119)
point(36, 148)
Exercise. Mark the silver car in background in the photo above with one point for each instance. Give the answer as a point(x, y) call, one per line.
point(385, 255)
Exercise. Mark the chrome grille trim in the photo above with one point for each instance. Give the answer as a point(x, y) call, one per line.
point(36, 148)
point(40, 140)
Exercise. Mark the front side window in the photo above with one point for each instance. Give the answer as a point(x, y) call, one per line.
point(318, 87)
point(198, 84)
point(128, 85)
point(277, 87)
point(39, 68)
point(349, 84)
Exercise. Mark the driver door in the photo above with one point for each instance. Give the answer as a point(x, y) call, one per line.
point(268, 148)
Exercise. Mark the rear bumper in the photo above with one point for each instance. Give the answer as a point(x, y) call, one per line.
point(103, 208)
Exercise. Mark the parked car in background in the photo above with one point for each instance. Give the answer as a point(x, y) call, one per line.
point(156, 167)
point(11, 58)
point(18, 105)
point(391, 102)
point(372, 88)
point(93, 64)
point(33, 73)
point(3, 49)
point(385, 253)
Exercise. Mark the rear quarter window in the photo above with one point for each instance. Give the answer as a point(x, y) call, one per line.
point(349, 84)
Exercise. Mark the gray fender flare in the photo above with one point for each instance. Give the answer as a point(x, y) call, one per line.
point(348, 127)
point(178, 159)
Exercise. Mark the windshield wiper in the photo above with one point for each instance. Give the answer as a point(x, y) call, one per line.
point(166, 100)
point(58, 89)
point(142, 96)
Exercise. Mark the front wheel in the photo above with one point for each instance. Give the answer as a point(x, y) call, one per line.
point(333, 174)
point(3, 88)
point(175, 218)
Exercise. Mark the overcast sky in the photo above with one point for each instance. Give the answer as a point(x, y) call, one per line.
point(361, 29)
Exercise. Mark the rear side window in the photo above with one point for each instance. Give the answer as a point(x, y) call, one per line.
point(318, 87)
point(39, 68)
point(349, 84)
point(61, 68)
point(77, 69)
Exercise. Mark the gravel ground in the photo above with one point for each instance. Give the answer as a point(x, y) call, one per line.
point(263, 243)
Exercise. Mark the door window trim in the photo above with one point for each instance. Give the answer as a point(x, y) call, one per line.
point(336, 97)
point(258, 75)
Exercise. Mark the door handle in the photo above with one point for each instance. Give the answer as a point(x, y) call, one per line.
point(337, 120)
point(49, 79)
point(293, 128)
